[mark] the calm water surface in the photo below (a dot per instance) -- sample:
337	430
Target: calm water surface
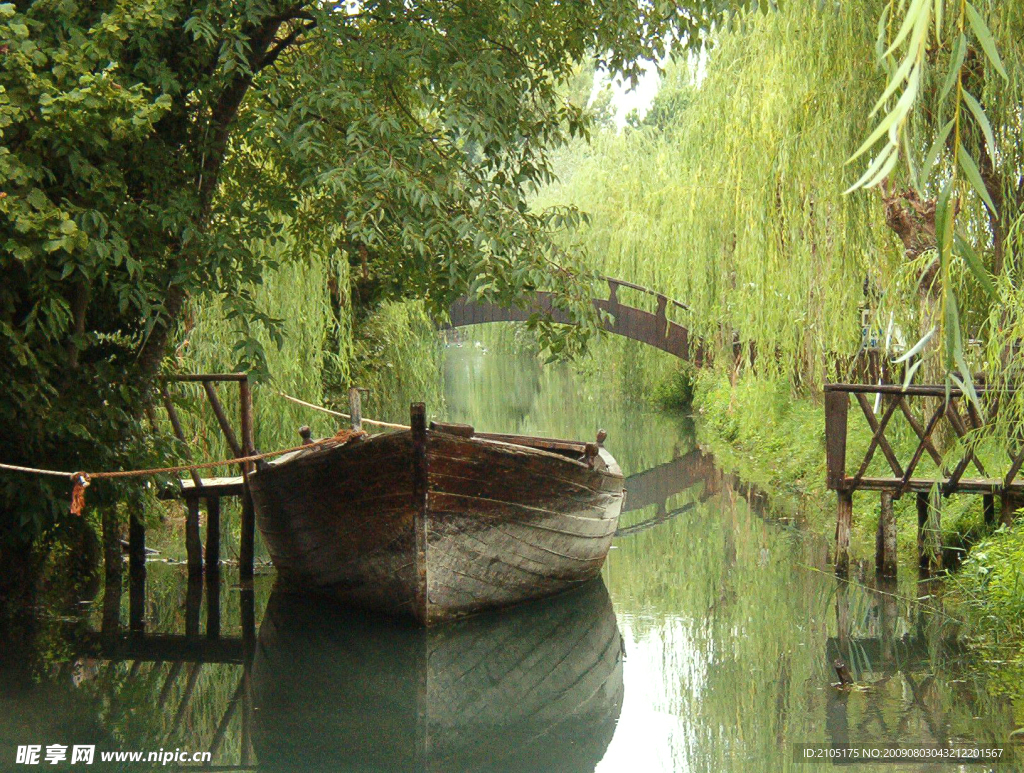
708	646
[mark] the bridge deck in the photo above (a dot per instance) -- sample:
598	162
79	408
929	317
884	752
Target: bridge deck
654	329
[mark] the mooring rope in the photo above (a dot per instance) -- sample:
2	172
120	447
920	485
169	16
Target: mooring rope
162	470
315	407
81	479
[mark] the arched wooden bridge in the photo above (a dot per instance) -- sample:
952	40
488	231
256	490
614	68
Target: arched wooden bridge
654	329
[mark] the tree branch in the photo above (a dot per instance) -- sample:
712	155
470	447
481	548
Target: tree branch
280	45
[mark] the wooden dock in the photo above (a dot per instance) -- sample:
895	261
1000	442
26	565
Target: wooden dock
924	411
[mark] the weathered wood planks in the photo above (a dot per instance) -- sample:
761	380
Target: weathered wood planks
941	406
437	524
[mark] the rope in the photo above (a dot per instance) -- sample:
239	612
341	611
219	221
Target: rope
162	470
340	414
80	480
17	468
87	476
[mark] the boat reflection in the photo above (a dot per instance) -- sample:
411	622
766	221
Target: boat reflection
537	687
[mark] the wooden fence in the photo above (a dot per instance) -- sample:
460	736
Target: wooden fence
926	414
211	490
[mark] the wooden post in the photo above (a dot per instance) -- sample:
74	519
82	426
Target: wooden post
247	539
136	601
212	536
136	542
136	569
1008	508
193	543
837	406
844	520
885	539
989	508
418	421
355	408
193	603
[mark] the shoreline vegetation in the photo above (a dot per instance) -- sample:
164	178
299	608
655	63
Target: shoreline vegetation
758	429
733	195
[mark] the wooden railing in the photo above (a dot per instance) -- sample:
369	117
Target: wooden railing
652	328
926	412
210	490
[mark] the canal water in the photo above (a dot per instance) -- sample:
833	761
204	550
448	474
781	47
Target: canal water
710	645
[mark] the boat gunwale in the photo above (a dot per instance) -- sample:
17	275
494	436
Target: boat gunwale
304	456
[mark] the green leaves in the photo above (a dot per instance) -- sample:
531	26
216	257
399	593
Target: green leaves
977	268
984	37
907	76
970	170
982	119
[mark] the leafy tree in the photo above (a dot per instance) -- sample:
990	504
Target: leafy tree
147	143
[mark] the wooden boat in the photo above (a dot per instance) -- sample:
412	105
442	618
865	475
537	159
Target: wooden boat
439	522
535	688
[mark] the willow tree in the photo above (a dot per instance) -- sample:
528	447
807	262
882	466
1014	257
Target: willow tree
147	144
951	112
735	193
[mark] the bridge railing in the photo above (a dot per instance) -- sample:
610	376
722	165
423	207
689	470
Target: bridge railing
662	299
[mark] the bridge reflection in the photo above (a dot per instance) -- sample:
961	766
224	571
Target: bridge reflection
656	485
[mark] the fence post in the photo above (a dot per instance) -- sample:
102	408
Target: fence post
355	408
136	568
247	540
989	506
212	536
844	520
885	539
837	406
193	543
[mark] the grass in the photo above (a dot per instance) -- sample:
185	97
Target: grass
769	434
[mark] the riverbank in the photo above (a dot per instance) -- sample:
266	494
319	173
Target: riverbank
771	437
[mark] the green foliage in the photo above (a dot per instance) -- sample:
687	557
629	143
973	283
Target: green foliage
962	159
736	207
991	580
759	429
397	357
147	146
677	390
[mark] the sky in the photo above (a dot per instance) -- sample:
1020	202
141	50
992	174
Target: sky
625	99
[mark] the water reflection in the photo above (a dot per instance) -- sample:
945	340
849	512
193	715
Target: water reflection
731	617
538	687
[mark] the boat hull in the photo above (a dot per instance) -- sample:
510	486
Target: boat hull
437	526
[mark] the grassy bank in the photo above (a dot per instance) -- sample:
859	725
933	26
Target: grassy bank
769	435
774	436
